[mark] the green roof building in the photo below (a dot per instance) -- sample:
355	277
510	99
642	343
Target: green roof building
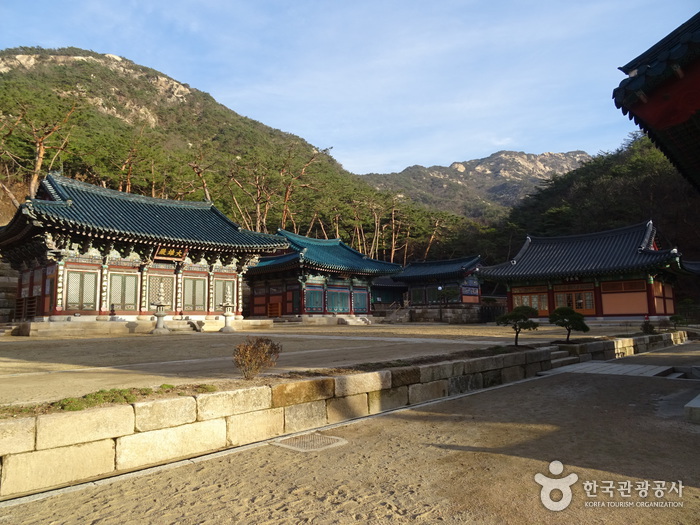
316	277
94	253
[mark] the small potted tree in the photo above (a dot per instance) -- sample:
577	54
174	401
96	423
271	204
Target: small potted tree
519	319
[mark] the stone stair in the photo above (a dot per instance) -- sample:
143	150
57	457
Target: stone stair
8	329
182	325
354	320
562	358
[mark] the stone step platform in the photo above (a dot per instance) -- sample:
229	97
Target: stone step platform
597	367
563	361
560	354
692	410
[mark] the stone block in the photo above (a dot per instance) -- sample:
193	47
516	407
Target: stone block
58	430
45	469
540	354
437	371
164	413
405	375
466	383
514	359
531	369
297	392
349	407
250	427
168	444
574	349
492	378
423	392
692	410
482	364
458	384
512	373
627	341
362	383
231	402
304	416
390	399
679	337
17	435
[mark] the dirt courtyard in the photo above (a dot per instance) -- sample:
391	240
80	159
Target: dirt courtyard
471	459
34	370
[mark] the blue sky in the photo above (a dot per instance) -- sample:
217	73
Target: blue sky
386	83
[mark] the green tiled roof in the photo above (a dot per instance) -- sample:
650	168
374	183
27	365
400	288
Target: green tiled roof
438	270
623	250
77	207
331	255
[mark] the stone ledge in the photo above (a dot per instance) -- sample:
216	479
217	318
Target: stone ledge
43	469
349	407
250	427
224	404
164	413
17	435
169	444
362	383
58	430
297	392
692	410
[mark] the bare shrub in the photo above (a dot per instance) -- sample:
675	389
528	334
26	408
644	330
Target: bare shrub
255	355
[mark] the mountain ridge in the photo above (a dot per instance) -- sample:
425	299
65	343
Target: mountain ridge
484	187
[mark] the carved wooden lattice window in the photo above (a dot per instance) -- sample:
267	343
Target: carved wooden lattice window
81	291
123	292
224	290
156	283
194	295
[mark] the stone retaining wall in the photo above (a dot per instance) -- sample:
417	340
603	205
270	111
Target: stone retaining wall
55	450
617	348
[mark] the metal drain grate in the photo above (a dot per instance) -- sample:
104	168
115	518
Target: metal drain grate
310	442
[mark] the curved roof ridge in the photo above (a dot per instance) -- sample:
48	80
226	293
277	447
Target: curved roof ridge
58	185
303	239
628	248
605	233
445	262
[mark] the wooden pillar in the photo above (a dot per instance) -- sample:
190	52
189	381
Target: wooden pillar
598	299
60	285
551	298
509	299
651	302
103	308
143	299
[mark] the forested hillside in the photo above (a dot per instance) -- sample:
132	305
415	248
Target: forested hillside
105	120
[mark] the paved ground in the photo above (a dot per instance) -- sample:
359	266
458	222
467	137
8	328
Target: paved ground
38	370
466	460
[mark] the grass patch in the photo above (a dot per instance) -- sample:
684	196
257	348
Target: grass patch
115	396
